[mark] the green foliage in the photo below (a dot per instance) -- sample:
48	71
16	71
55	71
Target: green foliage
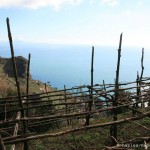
39	147
145	121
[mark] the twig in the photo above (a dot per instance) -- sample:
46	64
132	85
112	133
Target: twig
141	125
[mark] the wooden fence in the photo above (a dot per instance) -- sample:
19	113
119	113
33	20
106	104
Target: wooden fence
28	117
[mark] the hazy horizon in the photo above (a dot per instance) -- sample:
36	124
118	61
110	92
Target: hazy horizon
90	22
70	65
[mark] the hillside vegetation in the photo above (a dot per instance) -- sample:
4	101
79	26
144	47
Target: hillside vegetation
8	85
88	139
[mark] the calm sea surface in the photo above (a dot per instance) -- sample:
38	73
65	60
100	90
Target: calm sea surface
70	65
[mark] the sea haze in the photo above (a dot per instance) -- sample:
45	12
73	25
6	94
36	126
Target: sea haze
70	65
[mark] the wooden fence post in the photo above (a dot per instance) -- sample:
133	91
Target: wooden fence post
28	74
91	88
16	130
137	89
27	88
47	93
17	81
66	107
116	93
142	67
105	98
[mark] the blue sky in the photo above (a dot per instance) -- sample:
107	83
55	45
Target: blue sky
92	22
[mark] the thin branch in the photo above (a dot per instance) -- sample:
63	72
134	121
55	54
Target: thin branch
15	140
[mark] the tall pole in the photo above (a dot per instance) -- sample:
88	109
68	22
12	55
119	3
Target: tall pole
116	92
27	88
28	74
91	88
118	63
17	80
92	70
142	67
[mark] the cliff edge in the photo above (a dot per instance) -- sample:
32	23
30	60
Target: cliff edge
21	64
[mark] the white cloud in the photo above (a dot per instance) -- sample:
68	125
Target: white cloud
35	4
110	2
9	3
56	4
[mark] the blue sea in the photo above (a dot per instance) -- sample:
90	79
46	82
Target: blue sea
70	65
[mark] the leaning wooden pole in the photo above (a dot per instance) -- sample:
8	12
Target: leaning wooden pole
118	63
116	92
27	87
142	71
17	80
16	129
28	75
91	88
142	66
92	70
